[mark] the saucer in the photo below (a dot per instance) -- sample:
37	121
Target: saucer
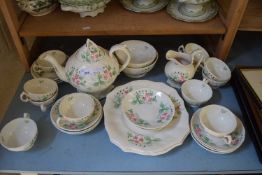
174	9
72	127
213	143
128	4
148	108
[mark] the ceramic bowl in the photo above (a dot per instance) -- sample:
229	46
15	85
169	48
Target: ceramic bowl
196	92
214	84
44	104
217	120
77	107
19	134
42	65
38	90
217	70
142	54
139	72
148	108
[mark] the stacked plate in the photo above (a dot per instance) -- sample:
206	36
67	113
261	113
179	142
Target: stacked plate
144	6
84	7
43	69
66	111
145	117
211	141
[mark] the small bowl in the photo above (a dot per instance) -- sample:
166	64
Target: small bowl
38	90
19	134
196	92
142	54
217	120
139	72
77	107
217	70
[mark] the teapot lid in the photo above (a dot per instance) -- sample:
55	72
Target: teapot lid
91	52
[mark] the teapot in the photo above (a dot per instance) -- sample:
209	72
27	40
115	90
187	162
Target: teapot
181	66
91	69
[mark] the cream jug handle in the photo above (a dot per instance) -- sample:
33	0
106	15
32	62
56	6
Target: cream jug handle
123	48
198	62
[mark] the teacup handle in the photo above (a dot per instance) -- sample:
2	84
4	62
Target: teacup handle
37	69
125	50
181	48
24	97
228	139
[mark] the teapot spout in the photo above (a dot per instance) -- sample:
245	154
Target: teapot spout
60	71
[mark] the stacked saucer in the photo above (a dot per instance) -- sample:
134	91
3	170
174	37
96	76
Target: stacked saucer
145	117
43	69
216	129
144	6
76	113
84	7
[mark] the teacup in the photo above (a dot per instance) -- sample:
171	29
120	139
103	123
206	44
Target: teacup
217	70
214	84
218	121
19	134
42	65
38	90
145	3
196	92
44	104
77	107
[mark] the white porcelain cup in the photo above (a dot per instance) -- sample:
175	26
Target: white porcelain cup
44	104
77	107
213	83
42	65
38	90
19	134
196	92
218	121
217	70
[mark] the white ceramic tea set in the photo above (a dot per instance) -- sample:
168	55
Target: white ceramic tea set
143	58
183	64
144	6
145	117
43	69
216	129
192	10
84	7
76	113
40	92
19	134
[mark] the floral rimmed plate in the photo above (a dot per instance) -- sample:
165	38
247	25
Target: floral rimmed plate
129	5
76	128
217	145
140	141
148	108
174	8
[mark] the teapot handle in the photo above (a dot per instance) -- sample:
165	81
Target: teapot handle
125	50
199	60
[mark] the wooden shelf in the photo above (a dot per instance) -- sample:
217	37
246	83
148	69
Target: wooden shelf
252	19
115	21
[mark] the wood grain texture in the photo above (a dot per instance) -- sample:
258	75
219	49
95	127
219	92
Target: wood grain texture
115	21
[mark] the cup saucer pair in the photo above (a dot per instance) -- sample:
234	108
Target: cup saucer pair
75	128
216	144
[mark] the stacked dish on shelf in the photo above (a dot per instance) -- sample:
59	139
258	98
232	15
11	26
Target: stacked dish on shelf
84	7
143	58
43	69
145	117
76	113
216	129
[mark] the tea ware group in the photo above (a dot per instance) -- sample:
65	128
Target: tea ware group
91	68
37	7
143	58
214	144
80	125
84	8
196	92
43	69
19	134
40	92
144	6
